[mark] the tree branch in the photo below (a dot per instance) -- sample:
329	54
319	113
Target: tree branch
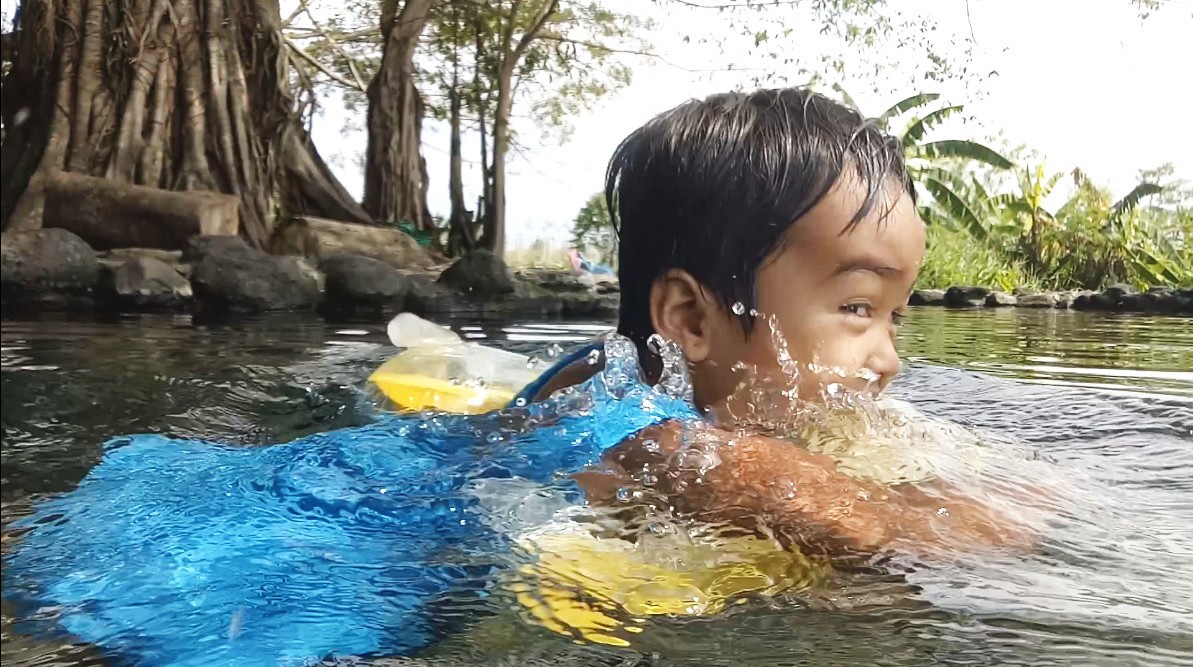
314	62
507	34
360	84
550	36
540	20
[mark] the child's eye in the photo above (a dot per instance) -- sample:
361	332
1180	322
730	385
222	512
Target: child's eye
858	309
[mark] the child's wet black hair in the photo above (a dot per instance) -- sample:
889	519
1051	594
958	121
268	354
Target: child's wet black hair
711	186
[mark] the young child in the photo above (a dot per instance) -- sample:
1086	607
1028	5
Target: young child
746	219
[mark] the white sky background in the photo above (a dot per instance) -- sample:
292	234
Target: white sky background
1083	82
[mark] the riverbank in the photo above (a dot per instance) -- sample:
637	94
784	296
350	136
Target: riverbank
1115	298
53	269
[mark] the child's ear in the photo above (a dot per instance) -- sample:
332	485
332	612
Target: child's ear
680	310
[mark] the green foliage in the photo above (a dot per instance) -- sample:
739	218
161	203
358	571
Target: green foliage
572	61
954	257
1088	242
937	166
594	230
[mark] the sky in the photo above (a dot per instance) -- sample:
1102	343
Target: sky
1083	82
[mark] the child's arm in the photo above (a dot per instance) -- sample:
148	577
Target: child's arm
802	497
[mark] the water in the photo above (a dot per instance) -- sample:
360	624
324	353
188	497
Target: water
1107	400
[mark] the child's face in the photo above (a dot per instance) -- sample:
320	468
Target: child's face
834	298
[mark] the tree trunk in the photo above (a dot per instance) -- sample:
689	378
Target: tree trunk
495	223
109	214
484	203
394	183
510	54
460	224
170	94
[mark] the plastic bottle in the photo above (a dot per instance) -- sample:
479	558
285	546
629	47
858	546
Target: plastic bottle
438	370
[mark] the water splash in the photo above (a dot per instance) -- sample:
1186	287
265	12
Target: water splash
323	544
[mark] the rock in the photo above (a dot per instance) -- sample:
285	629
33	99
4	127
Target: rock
1136	303
172	257
47	268
427	297
965	296
198	247
1000	299
927	297
141	282
319	239
1183	301
436	298
1023	291
479	273
608	287
1041	300
560	281
354	283
600	306
232	277
1089	300
1118	291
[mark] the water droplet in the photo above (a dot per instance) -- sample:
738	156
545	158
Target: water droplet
753	312
944	511
656	343
651	446
520	402
554	350
624	494
594	357
494	437
659	528
383	490
532	362
738	308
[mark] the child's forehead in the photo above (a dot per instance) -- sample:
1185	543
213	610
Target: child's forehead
889	236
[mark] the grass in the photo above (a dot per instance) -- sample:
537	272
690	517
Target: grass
954	258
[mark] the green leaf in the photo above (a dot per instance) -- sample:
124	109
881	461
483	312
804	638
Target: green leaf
846	97
917	129
1133	197
960	148
907	105
955	207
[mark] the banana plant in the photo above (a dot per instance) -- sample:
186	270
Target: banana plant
1089	238
955	199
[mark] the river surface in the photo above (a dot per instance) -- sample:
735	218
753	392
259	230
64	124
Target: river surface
1107	399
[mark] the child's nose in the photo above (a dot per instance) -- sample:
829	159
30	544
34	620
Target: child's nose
884	362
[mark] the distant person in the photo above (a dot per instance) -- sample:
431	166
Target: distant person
580	263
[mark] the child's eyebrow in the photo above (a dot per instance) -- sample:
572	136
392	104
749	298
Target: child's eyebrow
867	265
